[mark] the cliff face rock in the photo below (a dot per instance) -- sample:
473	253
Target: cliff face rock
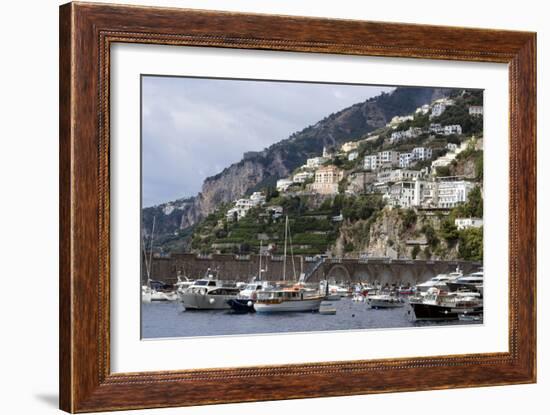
386	235
167	216
233	183
389	234
466	168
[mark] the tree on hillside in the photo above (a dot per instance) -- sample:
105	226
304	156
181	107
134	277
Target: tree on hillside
448	231
471	244
473	207
442	171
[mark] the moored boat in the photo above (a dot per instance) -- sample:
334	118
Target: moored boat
472	282
208	294
384	301
286	297
292	299
439	281
442	305
244	302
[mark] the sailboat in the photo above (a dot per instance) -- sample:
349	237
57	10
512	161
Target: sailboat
293	298
148	293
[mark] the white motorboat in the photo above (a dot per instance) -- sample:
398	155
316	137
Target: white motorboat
339	290
184	283
472	282
207	294
149	294
439	281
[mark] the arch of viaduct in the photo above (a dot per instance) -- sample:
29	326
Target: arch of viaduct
388	271
396	271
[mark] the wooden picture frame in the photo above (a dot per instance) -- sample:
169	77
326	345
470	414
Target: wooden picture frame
86	33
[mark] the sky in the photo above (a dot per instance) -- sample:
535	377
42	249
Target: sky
193	128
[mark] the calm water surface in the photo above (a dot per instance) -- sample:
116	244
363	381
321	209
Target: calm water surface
169	319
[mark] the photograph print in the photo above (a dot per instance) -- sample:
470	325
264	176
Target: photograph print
273	206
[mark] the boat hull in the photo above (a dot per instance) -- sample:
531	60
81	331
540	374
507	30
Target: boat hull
442	312
289	306
240	305
196	301
164	296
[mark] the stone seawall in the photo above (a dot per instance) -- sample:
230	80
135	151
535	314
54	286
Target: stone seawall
243	268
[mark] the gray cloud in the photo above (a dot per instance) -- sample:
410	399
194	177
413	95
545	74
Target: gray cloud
194	128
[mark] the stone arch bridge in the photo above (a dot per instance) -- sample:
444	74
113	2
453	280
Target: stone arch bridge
243	268
386	271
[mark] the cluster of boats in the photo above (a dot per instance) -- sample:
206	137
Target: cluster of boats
449	296
210	293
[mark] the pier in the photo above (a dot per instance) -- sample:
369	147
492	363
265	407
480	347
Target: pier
244	267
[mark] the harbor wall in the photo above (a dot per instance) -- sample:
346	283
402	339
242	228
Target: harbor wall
243	268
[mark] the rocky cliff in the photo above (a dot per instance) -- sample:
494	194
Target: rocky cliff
396	233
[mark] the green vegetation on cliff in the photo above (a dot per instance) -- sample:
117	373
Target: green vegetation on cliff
314	225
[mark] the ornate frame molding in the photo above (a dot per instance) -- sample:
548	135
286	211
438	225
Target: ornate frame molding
86	33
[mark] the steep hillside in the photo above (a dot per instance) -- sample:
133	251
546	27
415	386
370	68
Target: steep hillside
258	169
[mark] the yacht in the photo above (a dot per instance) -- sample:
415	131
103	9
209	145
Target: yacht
439	281
285	299
207	294
184	283
471	282
443	305
384	301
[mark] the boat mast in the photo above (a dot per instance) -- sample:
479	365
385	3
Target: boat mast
284	251
292	254
147	271
151	252
148	262
260	265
